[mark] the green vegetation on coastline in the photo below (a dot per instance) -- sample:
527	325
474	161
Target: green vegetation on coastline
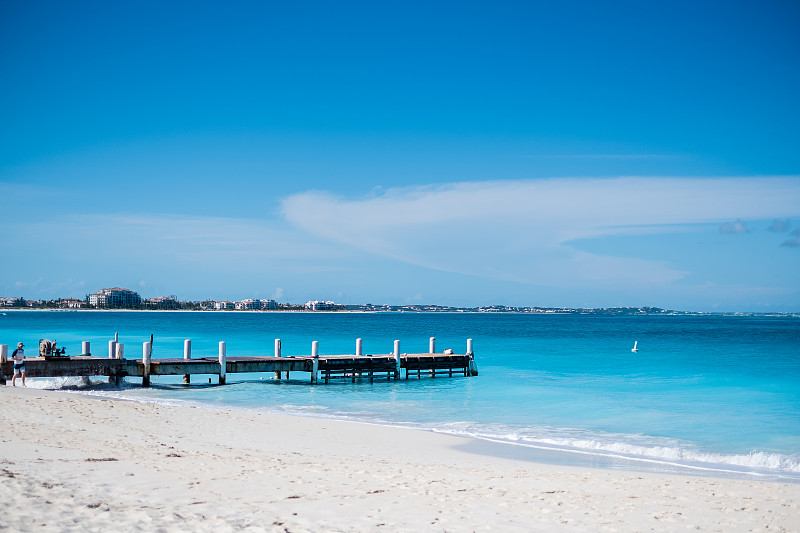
173	304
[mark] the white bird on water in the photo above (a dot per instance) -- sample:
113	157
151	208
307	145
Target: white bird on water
635	349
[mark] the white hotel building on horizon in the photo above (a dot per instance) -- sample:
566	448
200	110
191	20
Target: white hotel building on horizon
115	297
249	304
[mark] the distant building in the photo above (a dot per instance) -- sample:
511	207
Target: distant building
318	305
115	297
13	302
248	305
162	302
251	304
224	305
71	303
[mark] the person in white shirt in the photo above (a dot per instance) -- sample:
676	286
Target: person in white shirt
19	364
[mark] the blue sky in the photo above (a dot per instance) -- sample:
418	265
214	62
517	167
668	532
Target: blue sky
578	154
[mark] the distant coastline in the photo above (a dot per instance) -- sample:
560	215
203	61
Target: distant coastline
609	311
122	299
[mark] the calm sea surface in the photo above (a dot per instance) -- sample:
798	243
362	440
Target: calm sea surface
711	393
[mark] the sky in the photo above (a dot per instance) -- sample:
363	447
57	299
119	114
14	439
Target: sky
553	154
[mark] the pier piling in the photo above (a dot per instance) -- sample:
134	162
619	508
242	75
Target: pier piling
473	366
146	364
187	354
315	362
432	345
222	363
397	359
278	354
3	358
85	348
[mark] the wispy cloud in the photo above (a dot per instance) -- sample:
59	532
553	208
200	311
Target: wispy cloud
794	242
780	226
521	230
731	228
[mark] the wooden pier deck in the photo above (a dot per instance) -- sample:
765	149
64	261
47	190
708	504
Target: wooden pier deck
320	368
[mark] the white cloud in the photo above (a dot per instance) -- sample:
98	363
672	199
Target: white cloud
779	226
732	228
794	242
521	230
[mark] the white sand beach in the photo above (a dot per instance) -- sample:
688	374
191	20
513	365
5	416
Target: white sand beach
74	463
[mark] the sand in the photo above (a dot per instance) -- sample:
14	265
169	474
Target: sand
73	463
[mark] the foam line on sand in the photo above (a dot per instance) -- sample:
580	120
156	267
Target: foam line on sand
73	463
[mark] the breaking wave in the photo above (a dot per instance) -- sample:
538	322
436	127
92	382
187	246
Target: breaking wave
633	448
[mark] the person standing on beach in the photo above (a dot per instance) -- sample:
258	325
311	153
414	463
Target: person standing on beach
19	364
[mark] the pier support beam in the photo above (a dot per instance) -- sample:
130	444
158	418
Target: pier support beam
397	368
119	353
187	354
222	363
315	362
473	366
278	354
3	359
146	364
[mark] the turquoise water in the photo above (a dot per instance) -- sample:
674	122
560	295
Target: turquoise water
713	392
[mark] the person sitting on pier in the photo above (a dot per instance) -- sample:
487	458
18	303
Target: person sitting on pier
44	347
47	348
19	364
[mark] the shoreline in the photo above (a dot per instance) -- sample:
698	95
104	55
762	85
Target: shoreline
496	446
550	454
670	313
72	463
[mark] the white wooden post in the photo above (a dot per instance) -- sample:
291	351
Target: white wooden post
112	349
278	354
432	345
187	354
397	359
315	361
146	364
85	348
473	366
222	363
358	347
119	353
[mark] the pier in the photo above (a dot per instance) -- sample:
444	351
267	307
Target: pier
319	368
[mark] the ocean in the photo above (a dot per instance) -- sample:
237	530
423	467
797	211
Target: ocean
712	394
